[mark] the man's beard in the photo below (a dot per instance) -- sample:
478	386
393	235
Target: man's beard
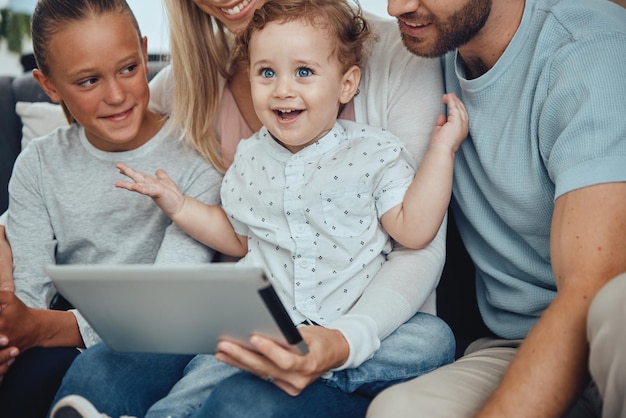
456	31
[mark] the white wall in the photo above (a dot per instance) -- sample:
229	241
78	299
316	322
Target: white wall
378	7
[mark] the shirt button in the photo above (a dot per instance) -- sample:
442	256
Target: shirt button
304	264
300	229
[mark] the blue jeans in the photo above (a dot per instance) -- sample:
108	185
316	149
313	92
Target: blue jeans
420	345
163	385
143	385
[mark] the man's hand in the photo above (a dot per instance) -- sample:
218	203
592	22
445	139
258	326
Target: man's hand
287	369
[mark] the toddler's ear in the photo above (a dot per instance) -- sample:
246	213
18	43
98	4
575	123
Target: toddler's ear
47	85
351	80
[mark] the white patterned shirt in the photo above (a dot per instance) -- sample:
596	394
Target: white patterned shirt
312	218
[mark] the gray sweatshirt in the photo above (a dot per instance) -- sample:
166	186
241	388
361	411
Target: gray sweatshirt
65	209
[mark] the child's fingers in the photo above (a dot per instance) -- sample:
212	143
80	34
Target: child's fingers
144	189
441	120
120	184
127	171
456	107
162	175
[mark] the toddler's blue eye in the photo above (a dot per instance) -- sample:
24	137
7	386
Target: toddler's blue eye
303	72
267	73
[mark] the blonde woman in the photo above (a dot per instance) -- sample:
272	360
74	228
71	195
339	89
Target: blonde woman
208	98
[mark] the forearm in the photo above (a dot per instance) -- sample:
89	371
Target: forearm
549	369
586	250
426	201
56	329
6	263
31	327
209	224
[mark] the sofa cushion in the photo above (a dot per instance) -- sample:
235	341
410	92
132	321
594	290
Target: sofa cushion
9	147
39	119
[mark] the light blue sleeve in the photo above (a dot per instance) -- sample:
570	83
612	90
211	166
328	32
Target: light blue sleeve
583	115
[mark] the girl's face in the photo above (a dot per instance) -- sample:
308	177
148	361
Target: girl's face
297	82
234	14
98	69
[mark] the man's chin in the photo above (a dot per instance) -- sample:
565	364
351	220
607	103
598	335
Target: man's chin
423	48
417	47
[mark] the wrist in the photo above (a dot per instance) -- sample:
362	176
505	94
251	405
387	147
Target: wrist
176	212
442	149
359	334
52	328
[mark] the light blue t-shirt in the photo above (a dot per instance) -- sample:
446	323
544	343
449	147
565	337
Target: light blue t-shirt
548	118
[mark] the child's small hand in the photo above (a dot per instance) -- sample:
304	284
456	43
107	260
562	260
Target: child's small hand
452	131
160	187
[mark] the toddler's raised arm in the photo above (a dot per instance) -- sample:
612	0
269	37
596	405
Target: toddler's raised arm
206	223
415	222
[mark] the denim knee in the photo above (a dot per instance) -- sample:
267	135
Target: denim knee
245	395
420	345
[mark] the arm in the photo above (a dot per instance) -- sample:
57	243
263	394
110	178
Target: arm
31	327
206	223
24	318
587	250
6	263
415	222
199	180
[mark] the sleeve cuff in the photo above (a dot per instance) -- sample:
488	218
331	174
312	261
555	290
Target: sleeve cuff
89	335
361	333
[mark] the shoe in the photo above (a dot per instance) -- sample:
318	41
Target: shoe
75	406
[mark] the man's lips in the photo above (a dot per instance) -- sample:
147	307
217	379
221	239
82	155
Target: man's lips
415	29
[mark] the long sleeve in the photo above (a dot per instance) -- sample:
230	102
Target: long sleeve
402	93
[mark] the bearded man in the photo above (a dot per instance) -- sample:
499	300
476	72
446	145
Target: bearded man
539	198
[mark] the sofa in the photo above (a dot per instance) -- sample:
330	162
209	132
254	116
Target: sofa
456	293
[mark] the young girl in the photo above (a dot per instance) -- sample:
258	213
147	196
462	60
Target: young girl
304	59
92	59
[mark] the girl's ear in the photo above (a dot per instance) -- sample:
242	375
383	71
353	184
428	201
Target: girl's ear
47	86
350	84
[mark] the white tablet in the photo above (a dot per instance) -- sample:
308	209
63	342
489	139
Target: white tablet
182	309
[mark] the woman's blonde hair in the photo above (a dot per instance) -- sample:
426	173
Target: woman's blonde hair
200	54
